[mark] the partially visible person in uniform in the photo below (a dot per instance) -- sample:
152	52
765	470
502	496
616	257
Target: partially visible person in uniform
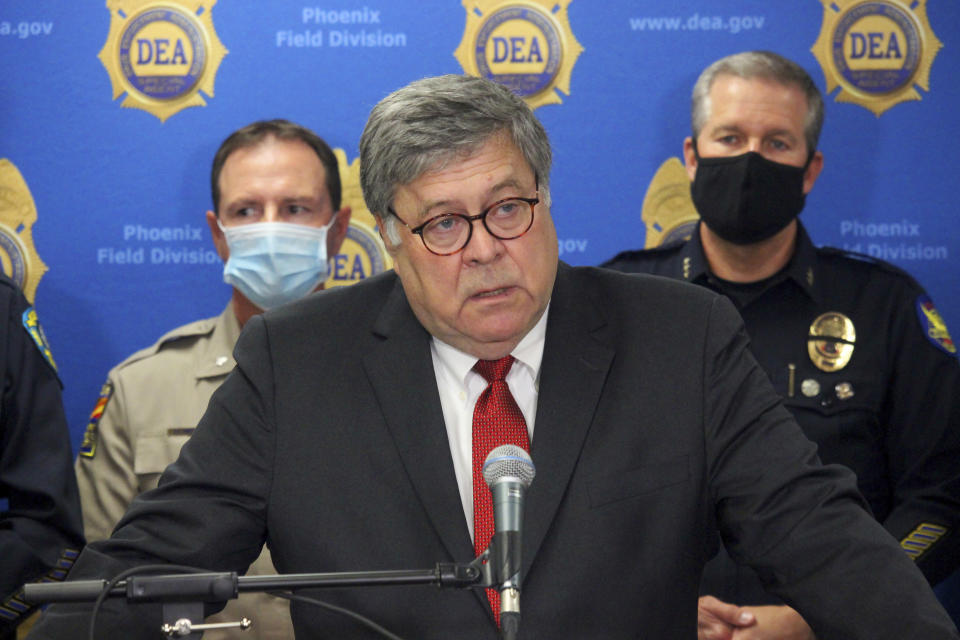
40	526
854	345
276	219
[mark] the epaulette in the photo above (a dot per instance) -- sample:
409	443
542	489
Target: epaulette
634	254
867	259
191	330
673	245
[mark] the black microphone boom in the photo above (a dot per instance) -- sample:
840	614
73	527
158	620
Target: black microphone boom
508	471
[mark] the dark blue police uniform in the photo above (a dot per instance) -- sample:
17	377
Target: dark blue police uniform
41	531
865	364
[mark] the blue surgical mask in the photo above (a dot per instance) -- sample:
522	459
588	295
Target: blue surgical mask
276	262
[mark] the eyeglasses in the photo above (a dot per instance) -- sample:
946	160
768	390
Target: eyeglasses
450	233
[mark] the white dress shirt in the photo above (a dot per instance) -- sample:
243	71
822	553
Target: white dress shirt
460	387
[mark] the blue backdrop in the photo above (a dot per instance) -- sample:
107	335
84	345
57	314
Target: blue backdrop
110	181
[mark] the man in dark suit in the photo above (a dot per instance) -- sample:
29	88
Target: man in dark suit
346	436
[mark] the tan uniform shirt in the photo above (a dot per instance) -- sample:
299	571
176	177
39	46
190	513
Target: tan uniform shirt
156	397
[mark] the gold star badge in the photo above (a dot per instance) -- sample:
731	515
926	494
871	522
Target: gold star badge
363	253
526	45
18	256
162	55
877	51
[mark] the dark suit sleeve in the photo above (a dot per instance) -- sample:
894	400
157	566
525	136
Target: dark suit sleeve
40	526
209	510
802	526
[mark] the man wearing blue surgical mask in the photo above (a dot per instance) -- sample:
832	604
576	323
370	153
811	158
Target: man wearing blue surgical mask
276	214
276	219
854	345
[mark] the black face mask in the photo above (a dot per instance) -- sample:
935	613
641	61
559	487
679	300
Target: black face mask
747	198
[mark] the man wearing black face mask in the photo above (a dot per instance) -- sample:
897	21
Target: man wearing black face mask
854	345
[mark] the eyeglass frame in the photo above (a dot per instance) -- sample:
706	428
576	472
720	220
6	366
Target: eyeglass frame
482	216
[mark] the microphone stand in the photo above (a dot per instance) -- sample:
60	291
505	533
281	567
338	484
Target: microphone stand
503	563
182	596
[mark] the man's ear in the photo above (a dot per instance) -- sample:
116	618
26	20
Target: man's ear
384	236
219	240
689	158
338	232
813	172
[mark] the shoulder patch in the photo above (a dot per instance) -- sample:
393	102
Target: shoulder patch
88	449
32	324
933	325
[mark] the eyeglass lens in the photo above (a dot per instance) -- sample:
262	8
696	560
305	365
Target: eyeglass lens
505	220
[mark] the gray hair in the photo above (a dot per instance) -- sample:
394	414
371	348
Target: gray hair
766	65
429	122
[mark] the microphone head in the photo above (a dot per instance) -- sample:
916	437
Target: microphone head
508	460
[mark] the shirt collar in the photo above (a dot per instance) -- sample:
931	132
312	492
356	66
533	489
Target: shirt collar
802	267
216	358
528	353
693	262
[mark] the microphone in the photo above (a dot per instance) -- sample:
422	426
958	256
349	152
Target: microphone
508	471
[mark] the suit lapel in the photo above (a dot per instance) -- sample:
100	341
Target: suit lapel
575	365
401	372
574	368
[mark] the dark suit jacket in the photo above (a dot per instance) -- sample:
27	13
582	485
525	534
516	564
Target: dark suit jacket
655	428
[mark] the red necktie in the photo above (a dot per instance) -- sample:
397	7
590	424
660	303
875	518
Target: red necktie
497	420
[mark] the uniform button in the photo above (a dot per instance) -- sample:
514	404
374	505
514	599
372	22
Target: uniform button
222	360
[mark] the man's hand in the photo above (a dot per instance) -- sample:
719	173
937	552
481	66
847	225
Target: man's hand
718	620
776	622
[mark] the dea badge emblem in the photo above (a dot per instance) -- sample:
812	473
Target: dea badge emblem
668	211
526	45
876	51
18	256
363	253
162	54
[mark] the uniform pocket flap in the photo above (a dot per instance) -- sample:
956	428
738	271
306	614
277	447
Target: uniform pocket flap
153	452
